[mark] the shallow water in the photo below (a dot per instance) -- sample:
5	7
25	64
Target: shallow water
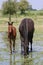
34	58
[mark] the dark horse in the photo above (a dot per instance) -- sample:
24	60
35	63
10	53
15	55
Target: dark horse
11	35
26	30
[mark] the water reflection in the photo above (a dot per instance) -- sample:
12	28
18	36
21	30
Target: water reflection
12	59
21	59
17	58
27	60
31	59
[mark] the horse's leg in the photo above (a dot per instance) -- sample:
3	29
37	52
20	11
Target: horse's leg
28	48
14	45
22	44
25	50
31	44
10	46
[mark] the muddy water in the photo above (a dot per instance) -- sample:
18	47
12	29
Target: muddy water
34	58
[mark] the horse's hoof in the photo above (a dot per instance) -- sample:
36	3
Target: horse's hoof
10	52
25	53
31	49
13	50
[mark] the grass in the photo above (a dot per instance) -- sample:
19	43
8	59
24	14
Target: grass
38	22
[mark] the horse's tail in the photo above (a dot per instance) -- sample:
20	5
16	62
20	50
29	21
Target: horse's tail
26	28
26	36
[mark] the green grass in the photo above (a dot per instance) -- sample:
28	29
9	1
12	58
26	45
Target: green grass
38	22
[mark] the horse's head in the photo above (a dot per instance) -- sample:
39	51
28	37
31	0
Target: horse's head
10	26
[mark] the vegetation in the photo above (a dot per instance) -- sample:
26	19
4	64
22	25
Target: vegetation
15	9
37	18
36	55
9	7
23	6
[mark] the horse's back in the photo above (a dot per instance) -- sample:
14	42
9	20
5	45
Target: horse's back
27	24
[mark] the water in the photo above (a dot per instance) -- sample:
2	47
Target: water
34	58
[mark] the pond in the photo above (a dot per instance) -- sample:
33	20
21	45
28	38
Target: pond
34	58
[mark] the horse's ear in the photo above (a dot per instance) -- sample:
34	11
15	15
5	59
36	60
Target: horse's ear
8	23
12	23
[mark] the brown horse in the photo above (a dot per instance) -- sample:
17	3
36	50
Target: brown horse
11	35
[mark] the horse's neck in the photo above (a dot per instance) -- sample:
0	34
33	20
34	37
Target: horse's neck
12	30
9	29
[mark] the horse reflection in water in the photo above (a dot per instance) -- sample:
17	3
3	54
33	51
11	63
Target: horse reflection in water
11	35
12	60
28	59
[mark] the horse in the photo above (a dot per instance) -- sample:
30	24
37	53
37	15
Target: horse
11	35
26	30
